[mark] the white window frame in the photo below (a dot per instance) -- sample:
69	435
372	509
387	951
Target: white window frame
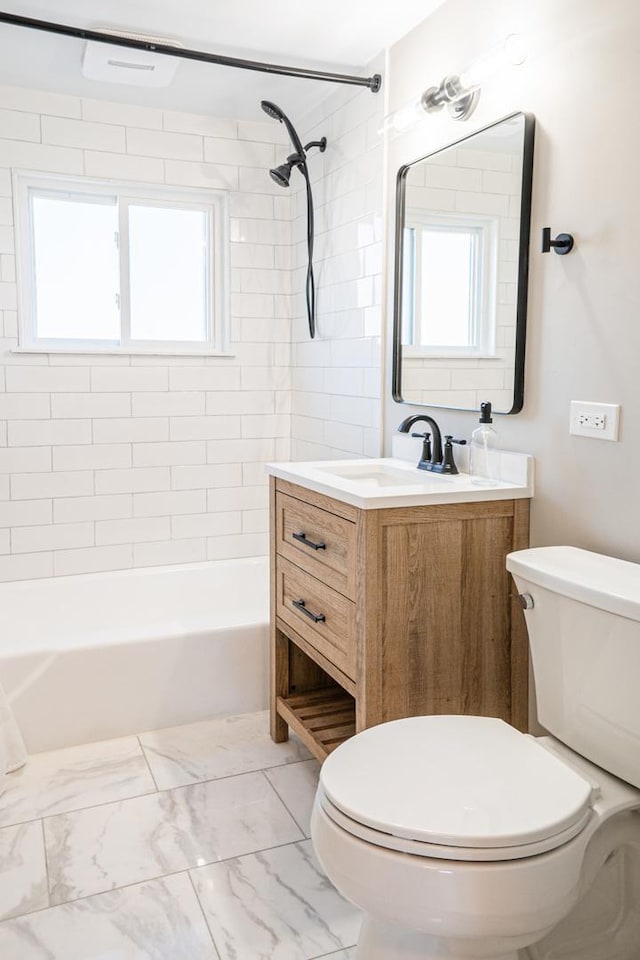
215	203
483	320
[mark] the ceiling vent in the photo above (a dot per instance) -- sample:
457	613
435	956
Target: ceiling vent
138	68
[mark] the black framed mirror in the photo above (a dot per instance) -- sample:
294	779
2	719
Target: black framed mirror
463	219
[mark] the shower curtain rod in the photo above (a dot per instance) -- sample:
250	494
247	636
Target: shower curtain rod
373	83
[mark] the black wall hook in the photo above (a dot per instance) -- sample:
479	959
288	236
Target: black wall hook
562	244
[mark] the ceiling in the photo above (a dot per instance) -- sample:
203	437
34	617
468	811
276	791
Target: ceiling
344	38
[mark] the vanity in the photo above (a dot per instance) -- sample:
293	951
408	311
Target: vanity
390	597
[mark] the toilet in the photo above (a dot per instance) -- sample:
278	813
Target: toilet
461	838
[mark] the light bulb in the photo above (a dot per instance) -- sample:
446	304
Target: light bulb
511	52
403	118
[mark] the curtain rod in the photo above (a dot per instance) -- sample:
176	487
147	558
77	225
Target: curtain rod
373	83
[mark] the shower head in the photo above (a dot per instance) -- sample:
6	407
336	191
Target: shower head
272	110
281	174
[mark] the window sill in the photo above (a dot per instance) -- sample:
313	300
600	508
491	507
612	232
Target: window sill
423	355
127	351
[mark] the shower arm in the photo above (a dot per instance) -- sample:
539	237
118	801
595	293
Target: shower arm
299	158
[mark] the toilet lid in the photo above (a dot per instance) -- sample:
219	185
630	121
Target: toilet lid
455	781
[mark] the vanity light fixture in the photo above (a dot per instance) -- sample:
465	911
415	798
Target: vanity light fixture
459	92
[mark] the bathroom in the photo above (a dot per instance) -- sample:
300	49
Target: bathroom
120	465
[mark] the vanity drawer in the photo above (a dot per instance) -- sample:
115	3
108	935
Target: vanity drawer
323	617
320	542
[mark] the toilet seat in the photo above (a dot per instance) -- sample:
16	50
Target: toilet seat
453	787
441	852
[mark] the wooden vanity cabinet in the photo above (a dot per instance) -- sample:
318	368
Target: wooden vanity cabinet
389	613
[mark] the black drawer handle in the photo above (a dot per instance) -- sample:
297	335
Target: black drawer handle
301	606
302	538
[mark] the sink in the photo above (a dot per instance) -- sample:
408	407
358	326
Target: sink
381	475
384	482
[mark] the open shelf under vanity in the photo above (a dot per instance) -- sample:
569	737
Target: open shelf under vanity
322	719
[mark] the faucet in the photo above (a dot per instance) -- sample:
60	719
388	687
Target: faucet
433	458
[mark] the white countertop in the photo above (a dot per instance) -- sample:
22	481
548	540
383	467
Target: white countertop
373	484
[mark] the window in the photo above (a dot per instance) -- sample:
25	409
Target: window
128	268
447	270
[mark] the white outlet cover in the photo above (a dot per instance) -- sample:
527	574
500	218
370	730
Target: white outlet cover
587	408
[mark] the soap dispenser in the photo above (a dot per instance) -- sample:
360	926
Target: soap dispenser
483	453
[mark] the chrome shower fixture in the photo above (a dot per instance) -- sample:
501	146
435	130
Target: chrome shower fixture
282	175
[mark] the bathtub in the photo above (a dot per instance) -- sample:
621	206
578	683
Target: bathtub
104	655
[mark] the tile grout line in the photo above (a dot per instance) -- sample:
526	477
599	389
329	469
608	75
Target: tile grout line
46	865
264	774
162	876
327	956
204	916
63	813
284	804
88	896
43	815
146	760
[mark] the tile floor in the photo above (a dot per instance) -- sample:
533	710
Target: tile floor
183	844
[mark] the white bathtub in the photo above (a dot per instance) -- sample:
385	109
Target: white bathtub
105	655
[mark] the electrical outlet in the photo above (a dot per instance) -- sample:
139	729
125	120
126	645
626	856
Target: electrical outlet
596	420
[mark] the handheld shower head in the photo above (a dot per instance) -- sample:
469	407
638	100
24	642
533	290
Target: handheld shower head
272	110
276	113
281	175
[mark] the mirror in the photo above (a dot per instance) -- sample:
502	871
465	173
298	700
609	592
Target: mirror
461	268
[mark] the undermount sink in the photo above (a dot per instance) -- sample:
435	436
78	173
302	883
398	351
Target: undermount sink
381	475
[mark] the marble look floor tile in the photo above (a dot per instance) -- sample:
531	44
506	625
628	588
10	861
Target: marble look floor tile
220	747
75	777
95	850
275	905
296	784
23	870
159	920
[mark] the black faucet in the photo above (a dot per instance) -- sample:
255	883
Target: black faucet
433	458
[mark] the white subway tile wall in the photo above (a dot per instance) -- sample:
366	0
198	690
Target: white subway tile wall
108	462
336	379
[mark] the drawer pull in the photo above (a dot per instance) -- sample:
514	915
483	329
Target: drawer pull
302	538
301	606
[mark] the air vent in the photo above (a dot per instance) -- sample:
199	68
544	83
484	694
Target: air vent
139	68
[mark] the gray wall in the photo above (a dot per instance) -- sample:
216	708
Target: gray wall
584	325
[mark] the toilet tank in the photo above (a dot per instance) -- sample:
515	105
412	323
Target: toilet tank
584	635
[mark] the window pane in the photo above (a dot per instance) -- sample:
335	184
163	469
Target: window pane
168	273
447	279
76	268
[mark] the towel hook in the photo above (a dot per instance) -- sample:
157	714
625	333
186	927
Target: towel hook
562	244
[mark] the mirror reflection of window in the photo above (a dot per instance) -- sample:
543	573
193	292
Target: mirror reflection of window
449	270
451	286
